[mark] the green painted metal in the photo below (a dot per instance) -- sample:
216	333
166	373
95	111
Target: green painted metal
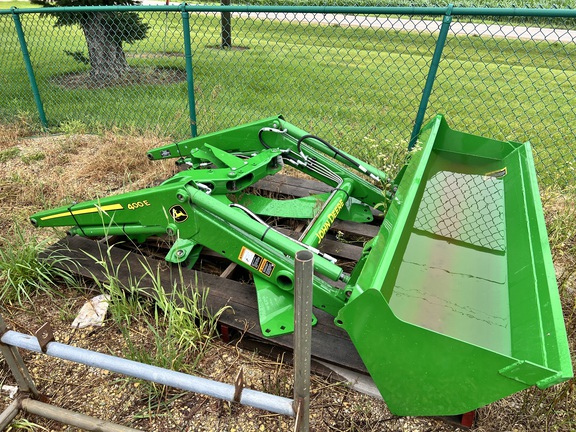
305	207
452	305
455	302
29	69
206	205
431	78
189	71
351	10
330	211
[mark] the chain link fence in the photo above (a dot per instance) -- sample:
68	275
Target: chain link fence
362	78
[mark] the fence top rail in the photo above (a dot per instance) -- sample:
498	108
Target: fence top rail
349	10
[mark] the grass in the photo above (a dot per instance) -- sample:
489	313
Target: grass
169	327
9	154
21	4
177	320
173	330
25	425
22	274
345	84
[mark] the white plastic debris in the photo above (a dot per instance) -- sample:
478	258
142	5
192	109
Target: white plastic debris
92	312
11	390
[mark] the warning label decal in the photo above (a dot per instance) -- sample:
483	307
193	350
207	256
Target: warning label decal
267	267
256	261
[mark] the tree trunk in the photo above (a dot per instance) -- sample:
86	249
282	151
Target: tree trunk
107	59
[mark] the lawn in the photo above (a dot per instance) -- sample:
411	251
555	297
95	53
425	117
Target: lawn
358	87
22	4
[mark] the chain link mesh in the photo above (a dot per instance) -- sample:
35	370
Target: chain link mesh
296	64
514	80
465	207
140	85
15	93
355	80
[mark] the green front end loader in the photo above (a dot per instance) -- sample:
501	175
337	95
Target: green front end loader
452	305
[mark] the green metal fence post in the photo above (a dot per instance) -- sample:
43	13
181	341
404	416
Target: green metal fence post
189	70
431	75
29	69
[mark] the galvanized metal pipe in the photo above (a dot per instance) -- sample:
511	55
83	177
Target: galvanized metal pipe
303	276
9	413
155	374
72	418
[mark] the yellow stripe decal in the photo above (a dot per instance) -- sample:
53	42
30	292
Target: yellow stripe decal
94	209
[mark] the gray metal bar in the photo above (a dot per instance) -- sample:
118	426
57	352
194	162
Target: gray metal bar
303	280
16	364
155	374
9	413
18	369
72	418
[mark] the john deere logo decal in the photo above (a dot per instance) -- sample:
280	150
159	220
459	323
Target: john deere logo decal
178	213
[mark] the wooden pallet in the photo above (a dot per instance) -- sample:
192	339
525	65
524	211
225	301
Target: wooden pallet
329	343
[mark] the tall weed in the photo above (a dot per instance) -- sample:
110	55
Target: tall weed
175	319
22	273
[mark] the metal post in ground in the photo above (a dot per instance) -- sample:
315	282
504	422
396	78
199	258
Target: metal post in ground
189	70
303	279
29	69
446	21
16	364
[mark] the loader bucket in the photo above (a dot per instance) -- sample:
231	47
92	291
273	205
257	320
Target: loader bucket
455	304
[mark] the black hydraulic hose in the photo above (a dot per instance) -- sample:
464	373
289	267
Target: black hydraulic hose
266	146
331	147
262	139
327	144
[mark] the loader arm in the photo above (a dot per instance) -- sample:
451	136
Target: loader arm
205	205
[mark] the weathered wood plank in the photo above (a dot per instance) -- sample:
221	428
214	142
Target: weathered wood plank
297	187
329	343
